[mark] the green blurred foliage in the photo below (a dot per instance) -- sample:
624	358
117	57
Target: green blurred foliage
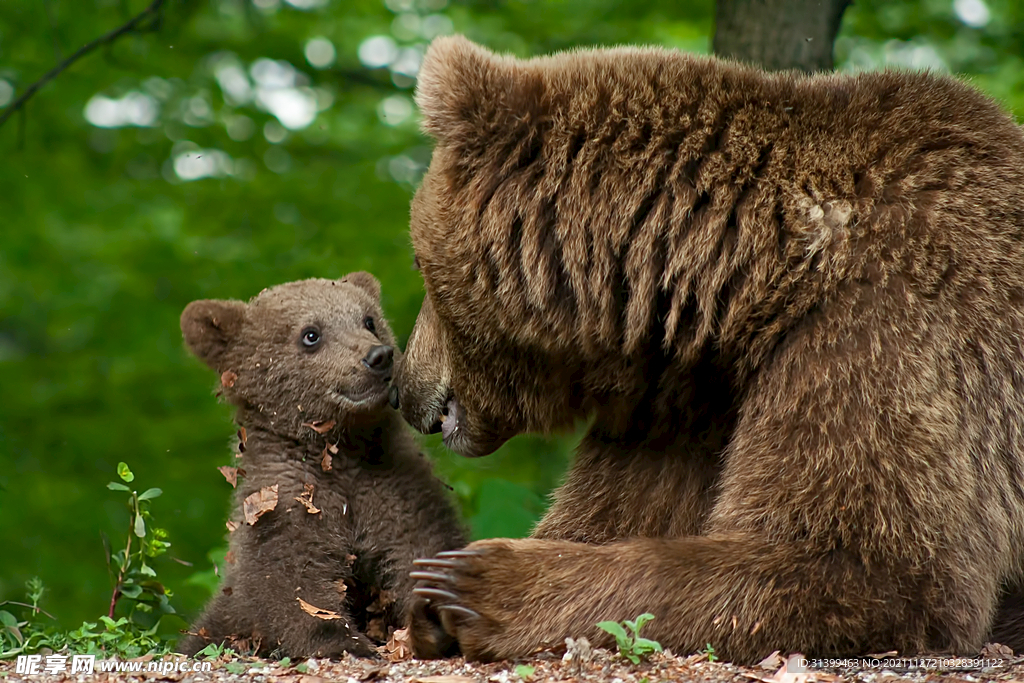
242	144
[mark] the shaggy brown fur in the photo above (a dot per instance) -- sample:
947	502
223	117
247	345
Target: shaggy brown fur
379	505
794	308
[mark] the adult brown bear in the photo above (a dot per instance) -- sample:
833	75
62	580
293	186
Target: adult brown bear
793	307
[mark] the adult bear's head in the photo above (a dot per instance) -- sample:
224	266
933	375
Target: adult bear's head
522	326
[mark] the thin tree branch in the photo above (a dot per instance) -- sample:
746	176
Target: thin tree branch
134	24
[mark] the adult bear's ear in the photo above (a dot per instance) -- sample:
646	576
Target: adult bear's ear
364	281
464	90
210	327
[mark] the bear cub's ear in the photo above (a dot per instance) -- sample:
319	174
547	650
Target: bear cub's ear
364	281
210	327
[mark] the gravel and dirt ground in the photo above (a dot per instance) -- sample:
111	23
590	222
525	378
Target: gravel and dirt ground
599	666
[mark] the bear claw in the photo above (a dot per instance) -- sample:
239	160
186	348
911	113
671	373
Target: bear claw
459	609
431	576
459	553
435	562
435	593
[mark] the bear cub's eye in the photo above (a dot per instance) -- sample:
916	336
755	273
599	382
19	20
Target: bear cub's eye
310	337
369	324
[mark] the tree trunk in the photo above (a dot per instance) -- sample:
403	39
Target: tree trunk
779	34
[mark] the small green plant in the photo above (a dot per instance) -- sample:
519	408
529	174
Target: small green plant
136	580
23	635
709	652
135	583
631	645
215	650
525	672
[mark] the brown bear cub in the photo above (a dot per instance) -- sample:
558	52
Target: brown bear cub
334	499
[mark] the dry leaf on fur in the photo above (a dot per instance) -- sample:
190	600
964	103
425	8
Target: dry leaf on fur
382	599
228	378
259	503
333	448
317	612
230	473
319	426
399	647
231	525
349	560
229	557
325	462
375	629
307	499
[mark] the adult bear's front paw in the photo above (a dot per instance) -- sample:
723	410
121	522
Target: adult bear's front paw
475	596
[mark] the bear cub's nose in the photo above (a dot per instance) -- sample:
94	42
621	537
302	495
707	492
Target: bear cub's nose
379	358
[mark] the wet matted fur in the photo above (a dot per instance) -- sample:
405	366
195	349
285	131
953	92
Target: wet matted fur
793	307
303	355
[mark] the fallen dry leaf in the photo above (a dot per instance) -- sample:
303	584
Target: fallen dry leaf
578	654
231	525
374	673
772	662
230	473
341	587
317	612
333	448
801	675
307	499
444	679
259	503
325	462
228	378
399	647
229	557
319	426
996	651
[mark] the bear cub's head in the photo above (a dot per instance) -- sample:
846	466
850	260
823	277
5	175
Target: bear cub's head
302	352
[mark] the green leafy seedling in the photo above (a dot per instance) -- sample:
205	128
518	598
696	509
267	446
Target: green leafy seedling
631	645
709	652
217	650
525	672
